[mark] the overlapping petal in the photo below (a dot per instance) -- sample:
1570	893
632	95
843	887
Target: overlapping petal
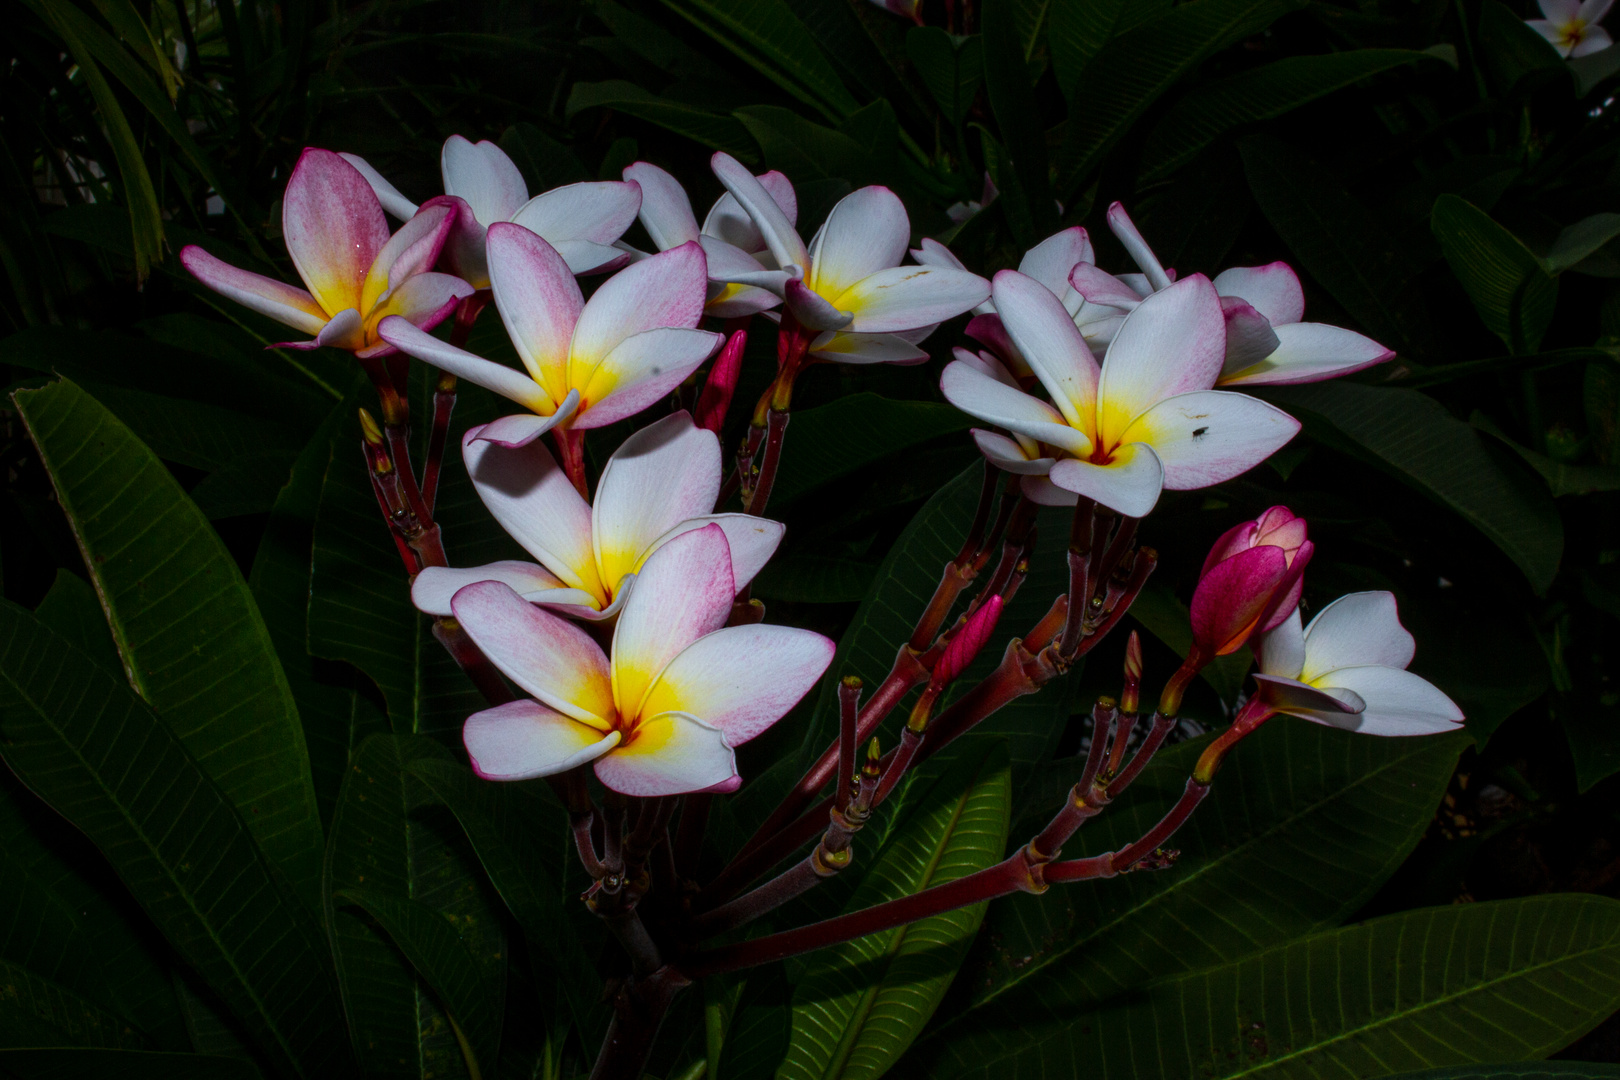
989	399
553	660
523	739
668	754
484	176
642	370
903	297
334	227
666	212
667	289
531	497
284	303
1051	344
742	679
1129	483
1273	290
1309	352
1210	436
664	474
866	232
539	301
1356	630
768	217
1173	343
435	586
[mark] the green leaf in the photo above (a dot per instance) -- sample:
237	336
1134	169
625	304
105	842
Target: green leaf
1343	246
193	433
814	579
1523	1070
832	441
35	1010
517	837
1216	108
1511	50
1413	437
767	36
711	129
1077	32
803	148
1438	986
862	1003
1580	240
1304	825
87	745
544	162
45	938
1132	71
74	1063
389	840
1009	86
950	67
1509	286
1562	478
72	610
192	642
472	1002
244	485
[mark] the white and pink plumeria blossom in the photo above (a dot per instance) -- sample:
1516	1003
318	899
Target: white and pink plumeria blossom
355	272
1572	26
848	286
1347	669
1266	343
1145	419
731	241
660	483
483	186
662	713
586	364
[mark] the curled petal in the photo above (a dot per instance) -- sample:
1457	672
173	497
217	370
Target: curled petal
1051	261
1359	630
1125	230
283	303
666	212
728	221
435	585
1249	336
392	201
1308	352
1096	286
775	229
1042	492
424	300
410	251
523	739
865	233
1273	290
742	679
811	309
1006	455
334	227
1321	706
934	253
484	176
669	754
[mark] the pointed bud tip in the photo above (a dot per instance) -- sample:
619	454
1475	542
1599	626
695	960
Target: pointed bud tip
369	428
967	642
853	682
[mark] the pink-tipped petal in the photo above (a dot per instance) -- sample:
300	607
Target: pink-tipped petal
669	754
1356	630
1173	343
538	300
523	739
392	200
1249	336
1042	492
531	497
1282	649
1097	286
1311	352
1051	261
934	253
905	297
1211	436
665	290
334	227
721	384
520	429
1334	709
664	474
1237	538
484	176
551	659
1051	344
518	387
435	585
410	251
1232	598
775	229
1394	702
683	591
1273	290
753	540
597	211
742	679
424	300
846	348
977	394
666	212
1125	230
1129	484
283	303
866	232
641	371
988	330
1006	455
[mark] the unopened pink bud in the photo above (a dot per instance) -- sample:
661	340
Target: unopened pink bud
967	642
715	400
1251	580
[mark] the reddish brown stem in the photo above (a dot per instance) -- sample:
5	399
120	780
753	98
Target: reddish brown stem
1156	735
1191	796
849	704
444	403
1085	801
776	423
1082	542
571	449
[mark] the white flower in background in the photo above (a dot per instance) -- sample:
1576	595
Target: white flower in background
1572	26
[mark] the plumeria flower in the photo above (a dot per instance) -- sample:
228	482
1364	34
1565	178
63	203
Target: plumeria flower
1572	26
586	364
731	241
483	186
1146	418
848	286
661	713
1266	343
1251	581
356	274
1347	669
662	482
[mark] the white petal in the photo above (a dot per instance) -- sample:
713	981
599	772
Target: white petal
666	212
669	754
1310	352
1006	455
1051	344
387	194
1173	343
1052	260
532	498
435	585
515	385
774	226
598	211
523	739
1397	702
1593	39
847	348
1042	492
753	540
1249	336
1129	484
866	232
523	428
1211	436
1282	649
934	253
664	474
665	290
907	297
641	370
980	395
554	661
1273	290
742	679
482	174
728	221
1357	630
1125	229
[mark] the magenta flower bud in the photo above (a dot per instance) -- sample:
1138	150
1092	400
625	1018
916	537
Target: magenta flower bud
722	383
967	642
1251	581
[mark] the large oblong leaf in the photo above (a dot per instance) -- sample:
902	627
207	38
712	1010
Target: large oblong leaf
34	1010
842	437
861	1004
1509	286
191	638
712	129
89	1063
1511	979
82	741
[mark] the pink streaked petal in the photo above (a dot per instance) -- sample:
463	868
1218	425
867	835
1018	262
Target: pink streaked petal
1230	600
1042	492
1356	630
1051	344
683	591
1273	290
669	754
1211	436
1173	343
1237	538
484	176
1129	484
847	348
666	290
907	297
1051	261
811	309
1310	352
1593	39
728	221
464	251
980	395
775	228
866	232
435	585
742	679
424	300
346	330
666	212
598	211
538	300
515	385
283	303
410	251
534	501
934	253
1006	455
1286	600
641	371
753	540
520	429
664	474
523	739
1308	702
392	201
334	227
1249	336
1126	231
1096	286
1394	702
549	658
988	330
1282	649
